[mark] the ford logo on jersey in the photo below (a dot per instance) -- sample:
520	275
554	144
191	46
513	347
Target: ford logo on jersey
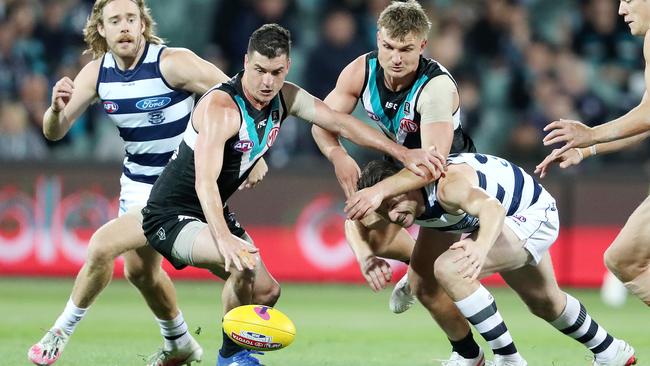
243	145
152	103
110	107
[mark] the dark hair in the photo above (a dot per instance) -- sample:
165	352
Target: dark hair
376	171
270	40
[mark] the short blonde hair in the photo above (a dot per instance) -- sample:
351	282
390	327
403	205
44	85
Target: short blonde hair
97	44
403	17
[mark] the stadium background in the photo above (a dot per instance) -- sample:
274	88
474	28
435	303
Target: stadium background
519	65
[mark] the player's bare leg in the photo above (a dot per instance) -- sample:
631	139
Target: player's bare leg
114	238
629	255
429	245
241	288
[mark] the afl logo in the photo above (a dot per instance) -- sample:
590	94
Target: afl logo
373	116
152	103
273	134
243	145
110	107
408	126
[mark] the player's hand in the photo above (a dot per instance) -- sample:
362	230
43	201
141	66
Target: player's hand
470	257
363	202
237	252
256	175
347	173
566	159
376	271
61	94
571	133
431	160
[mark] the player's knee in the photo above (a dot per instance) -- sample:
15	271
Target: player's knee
444	269
140	276
99	252
267	295
621	264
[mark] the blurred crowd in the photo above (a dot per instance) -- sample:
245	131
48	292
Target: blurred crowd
519	64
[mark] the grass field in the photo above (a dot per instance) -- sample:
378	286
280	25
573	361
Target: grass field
337	326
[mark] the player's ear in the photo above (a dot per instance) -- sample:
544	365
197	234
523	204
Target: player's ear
423	45
288	64
101	30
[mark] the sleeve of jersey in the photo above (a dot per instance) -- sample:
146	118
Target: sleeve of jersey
300	103
436	101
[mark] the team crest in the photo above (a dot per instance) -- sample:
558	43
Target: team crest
110	107
373	116
273	134
408	125
275	115
243	146
407	107
156	117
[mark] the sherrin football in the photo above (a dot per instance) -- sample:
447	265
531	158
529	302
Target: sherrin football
259	327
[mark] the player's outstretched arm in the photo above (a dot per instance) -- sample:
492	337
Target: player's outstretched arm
343	99
576	155
217	119
183	69
456	192
69	100
367	200
303	105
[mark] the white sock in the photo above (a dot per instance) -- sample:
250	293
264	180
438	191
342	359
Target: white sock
481	310
70	317
174	332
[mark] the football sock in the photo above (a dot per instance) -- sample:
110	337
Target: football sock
466	347
481	310
174	332
228	347
70	317
577	324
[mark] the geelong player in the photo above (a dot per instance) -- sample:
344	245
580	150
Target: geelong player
511	221
147	90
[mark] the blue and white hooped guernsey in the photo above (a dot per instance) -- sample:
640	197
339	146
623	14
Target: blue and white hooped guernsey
150	115
515	189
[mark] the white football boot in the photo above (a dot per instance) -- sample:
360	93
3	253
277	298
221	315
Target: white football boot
458	360
624	356
500	360
401	299
49	348
185	355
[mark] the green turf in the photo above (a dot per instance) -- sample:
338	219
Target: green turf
337	326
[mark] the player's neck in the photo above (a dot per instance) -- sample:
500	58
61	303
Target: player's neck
128	63
251	99
397	84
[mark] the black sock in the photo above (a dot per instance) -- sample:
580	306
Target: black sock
228	347
466	347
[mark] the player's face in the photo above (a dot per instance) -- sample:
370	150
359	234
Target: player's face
265	76
400	210
636	14
399	58
122	28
